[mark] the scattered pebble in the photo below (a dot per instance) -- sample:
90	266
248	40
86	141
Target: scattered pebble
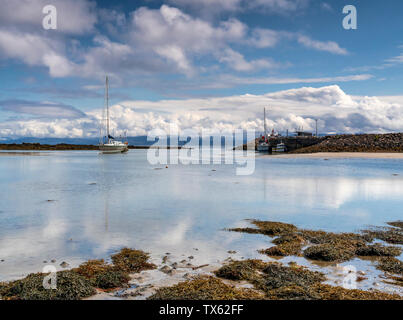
164	259
190	257
231	251
165	269
64	264
53	260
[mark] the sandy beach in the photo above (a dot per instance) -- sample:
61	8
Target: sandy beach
340	155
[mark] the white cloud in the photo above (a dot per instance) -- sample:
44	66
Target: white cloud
289	109
237	61
154	41
213	7
279	6
35	50
329	46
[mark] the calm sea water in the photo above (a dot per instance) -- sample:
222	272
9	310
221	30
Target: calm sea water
75	206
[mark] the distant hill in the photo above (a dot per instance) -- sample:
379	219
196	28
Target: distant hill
133	141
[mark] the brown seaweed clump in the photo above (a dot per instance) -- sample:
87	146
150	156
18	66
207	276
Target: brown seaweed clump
390	264
269	228
274	279
378	250
131	260
328	292
241	270
280	282
288	244
275	276
70	286
387	234
397	224
102	275
330	252
80	282
205	288
283	250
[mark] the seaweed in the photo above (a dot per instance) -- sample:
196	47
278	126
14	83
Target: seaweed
131	260
293	292
328	292
387	234
378	250
275	276
390	264
70	286
269	228
330	252
284	249
397	224
102	275
111	279
240	270
205	288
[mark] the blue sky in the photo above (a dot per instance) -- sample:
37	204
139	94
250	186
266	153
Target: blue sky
169	59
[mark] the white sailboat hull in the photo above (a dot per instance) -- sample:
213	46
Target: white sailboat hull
112	148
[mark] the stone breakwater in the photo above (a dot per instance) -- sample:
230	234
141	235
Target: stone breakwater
391	142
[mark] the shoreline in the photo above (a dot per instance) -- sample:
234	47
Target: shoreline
339	155
68	147
133	274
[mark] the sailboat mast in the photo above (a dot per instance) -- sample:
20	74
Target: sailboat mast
264	117
107	106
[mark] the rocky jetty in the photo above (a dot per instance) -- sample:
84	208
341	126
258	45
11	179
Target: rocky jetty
391	142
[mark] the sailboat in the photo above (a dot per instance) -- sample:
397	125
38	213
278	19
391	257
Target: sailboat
263	143
107	143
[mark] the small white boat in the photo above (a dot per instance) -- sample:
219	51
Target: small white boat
113	146
263	146
107	143
280	148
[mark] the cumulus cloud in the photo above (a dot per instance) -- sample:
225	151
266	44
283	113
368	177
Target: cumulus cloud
288	109
163	40
35	50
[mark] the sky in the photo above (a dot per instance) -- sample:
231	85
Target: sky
202	64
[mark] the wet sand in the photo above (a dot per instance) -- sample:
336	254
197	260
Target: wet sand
339	155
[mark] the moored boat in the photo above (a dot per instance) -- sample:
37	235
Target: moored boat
109	144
